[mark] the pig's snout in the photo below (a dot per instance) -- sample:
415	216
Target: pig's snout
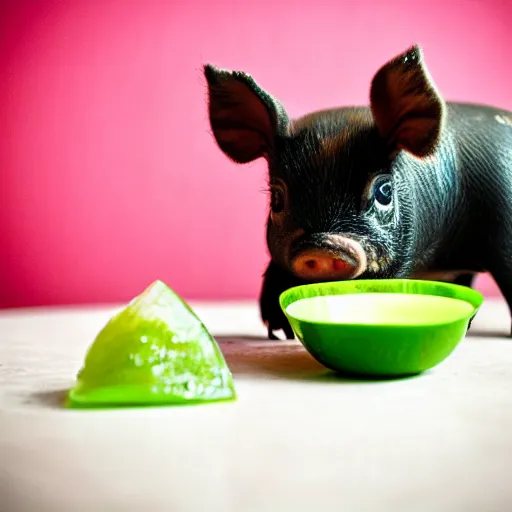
338	258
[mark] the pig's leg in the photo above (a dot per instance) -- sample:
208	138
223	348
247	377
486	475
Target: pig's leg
503	278
275	281
465	280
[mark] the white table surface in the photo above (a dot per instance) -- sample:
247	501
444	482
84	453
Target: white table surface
296	439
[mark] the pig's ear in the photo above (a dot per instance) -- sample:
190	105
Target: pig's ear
244	119
407	107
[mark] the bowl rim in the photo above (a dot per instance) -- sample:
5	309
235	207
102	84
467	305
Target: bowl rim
466	294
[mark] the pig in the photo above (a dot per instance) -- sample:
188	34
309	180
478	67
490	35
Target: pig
408	186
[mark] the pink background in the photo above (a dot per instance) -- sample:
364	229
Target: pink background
109	175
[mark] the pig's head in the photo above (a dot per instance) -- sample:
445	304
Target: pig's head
339	202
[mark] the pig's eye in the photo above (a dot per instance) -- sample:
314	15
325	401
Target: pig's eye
382	192
277	202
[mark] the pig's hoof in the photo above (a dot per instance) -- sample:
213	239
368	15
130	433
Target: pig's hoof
290	335
271	335
286	328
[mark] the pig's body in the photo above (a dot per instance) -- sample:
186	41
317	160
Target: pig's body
409	187
465	193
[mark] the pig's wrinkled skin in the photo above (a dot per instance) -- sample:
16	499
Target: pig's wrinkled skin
411	186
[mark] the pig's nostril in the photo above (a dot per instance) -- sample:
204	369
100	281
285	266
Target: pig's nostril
340	265
310	264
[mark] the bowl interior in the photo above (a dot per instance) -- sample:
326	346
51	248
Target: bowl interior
381	302
380	309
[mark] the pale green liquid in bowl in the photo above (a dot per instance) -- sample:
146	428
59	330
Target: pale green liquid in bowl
380	309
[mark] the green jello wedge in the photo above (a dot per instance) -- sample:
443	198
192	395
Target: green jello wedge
155	351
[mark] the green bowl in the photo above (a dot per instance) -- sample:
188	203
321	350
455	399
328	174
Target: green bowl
380	327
